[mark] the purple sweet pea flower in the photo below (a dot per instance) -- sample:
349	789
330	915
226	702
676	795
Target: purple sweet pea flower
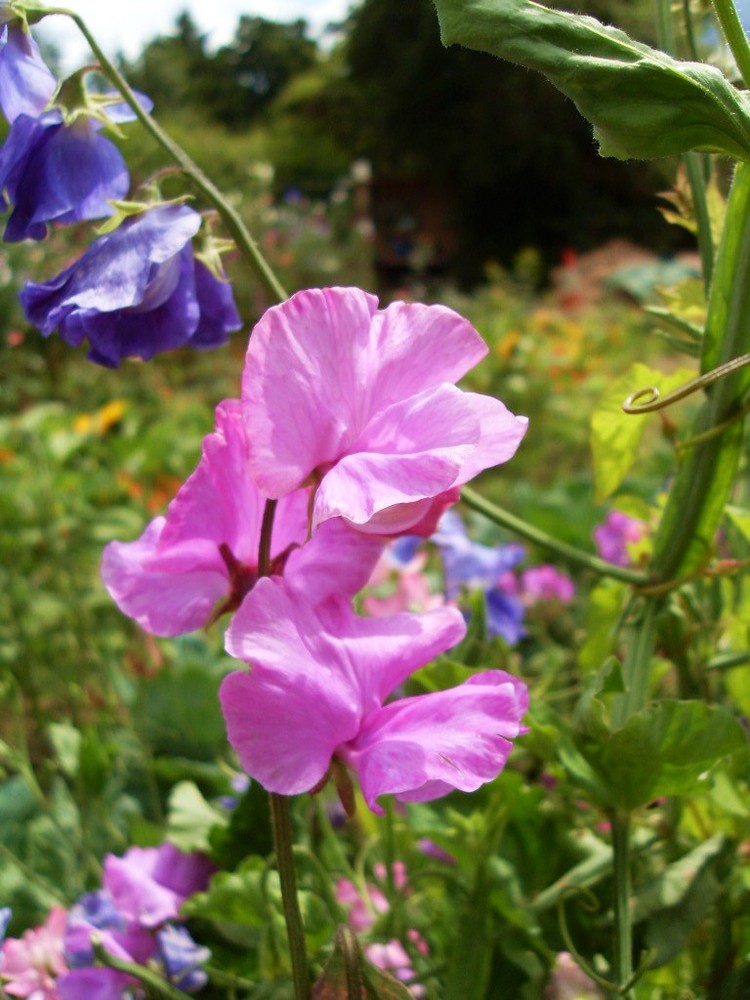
54	172
148	885
363	401
470	564
26	82
505	614
316	691
182	958
202	559
136	291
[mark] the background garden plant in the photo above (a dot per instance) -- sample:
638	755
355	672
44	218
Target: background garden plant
634	765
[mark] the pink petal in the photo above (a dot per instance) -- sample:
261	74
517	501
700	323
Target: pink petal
305	385
409	453
417	347
315	674
285	728
171	578
368	656
163	600
421	748
337	560
500	435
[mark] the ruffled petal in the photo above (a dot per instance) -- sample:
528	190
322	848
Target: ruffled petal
411	452
304	386
424	747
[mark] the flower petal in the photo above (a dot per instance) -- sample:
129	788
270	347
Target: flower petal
421	748
304	384
410	452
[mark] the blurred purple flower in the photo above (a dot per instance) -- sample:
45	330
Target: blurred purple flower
182	958
615	535
149	884
470	564
137	291
473	566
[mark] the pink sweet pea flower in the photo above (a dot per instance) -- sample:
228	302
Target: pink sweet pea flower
320	675
201	560
30	965
363	402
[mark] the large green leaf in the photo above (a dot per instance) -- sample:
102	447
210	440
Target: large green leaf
615	434
641	102
664	749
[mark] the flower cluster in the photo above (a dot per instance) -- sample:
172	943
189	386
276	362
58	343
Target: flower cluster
137	290
468	566
349	431
134	919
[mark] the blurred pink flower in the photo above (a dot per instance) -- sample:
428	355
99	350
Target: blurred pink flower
546	583
392	957
615	535
30	965
569	982
362	403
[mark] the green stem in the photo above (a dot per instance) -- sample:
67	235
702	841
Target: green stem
281	824
636	667
704	478
623	929
735	35
231	218
156	986
696	179
549	542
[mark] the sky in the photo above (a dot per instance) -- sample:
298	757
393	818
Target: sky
127	25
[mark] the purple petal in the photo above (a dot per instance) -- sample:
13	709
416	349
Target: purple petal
505	615
218	313
26	82
182	958
114	273
93	984
421	748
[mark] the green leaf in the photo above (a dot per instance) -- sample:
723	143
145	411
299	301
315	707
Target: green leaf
615	435
66	743
641	102
679	897
191	818
665	749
